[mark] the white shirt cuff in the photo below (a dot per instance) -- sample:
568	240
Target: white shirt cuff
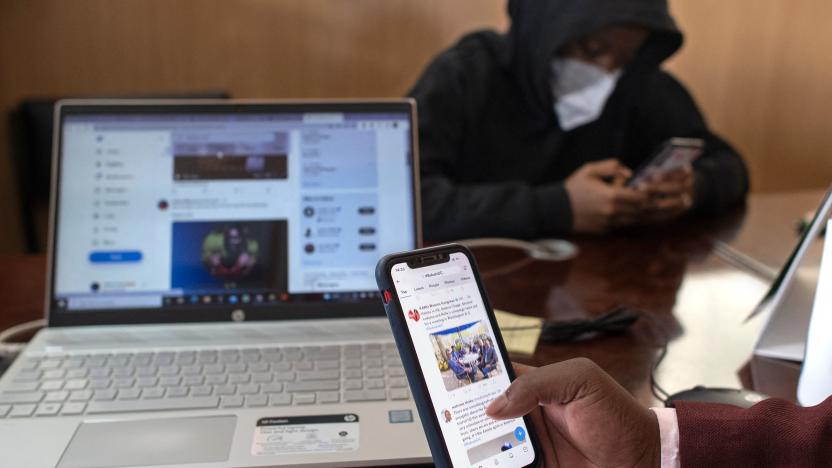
669	436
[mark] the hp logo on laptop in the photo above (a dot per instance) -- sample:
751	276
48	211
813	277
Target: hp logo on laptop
238	315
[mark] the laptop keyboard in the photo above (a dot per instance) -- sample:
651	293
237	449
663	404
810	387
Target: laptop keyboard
244	377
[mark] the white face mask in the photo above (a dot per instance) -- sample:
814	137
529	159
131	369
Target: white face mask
580	90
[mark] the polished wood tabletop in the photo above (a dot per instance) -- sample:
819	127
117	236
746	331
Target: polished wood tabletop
691	292
768	229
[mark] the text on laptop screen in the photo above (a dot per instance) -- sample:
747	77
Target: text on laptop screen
200	209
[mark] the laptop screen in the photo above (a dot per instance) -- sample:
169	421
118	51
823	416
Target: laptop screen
223	208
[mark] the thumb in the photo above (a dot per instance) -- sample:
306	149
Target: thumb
607	168
560	384
520	369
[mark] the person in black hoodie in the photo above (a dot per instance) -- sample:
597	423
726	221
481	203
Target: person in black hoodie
531	133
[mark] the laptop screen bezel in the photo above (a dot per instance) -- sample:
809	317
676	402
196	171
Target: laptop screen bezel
216	313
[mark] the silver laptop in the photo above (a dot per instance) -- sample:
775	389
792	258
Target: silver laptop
211	298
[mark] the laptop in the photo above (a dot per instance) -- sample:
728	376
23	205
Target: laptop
211	299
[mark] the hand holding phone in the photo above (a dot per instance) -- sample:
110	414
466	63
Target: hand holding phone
600	425
598	199
454	357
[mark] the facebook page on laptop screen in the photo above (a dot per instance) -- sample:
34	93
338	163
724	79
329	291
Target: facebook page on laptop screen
183	210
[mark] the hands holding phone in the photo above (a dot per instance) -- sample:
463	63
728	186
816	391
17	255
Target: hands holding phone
669	195
601	201
582	416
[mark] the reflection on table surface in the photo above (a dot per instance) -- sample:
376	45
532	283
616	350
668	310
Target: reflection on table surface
697	297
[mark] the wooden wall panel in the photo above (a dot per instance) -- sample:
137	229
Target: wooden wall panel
250	48
761	71
759	68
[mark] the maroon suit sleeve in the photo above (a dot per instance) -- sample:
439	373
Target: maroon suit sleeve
772	433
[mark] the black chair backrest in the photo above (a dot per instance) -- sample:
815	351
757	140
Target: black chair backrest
31	125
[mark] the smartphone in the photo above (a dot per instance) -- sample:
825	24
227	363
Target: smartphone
454	357
674	154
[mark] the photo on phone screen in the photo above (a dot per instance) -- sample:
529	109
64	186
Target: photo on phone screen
461	362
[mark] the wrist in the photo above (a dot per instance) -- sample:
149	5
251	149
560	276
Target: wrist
554	208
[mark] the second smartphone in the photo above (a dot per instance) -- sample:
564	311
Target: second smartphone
673	155
454	357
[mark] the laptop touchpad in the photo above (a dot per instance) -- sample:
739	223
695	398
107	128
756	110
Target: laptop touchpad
145	442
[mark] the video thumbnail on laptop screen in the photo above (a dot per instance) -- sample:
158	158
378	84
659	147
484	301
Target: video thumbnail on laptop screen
177	210
250	160
211	255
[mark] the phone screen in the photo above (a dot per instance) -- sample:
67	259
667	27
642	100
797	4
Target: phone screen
462	365
674	155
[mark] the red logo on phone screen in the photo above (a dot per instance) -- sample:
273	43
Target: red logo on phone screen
413	315
386	296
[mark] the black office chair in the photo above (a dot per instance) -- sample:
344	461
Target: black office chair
31	125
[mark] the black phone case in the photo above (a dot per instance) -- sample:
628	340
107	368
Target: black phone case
418	388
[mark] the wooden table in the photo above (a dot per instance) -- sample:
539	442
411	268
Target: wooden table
695	294
22	288
767	230
695	298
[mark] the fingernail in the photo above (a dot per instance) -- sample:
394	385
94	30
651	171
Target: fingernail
497	405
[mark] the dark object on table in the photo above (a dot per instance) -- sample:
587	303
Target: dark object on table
728	396
615	321
806	221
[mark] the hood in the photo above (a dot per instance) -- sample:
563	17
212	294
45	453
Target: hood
540	27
